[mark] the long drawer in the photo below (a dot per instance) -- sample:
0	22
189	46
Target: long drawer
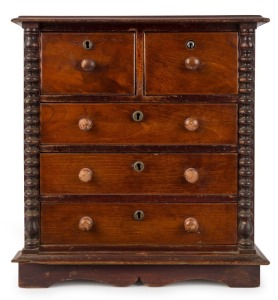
133	124
138	224
138	173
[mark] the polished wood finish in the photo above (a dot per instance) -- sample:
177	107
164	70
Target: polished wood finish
157	99
171	69
87	148
115	174
139	198
106	69
146	257
217	224
32	275
111	20
139	150
163	124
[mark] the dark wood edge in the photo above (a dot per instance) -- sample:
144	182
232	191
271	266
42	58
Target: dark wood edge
140	27
139	198
31	136
35	276
142	258
246	128
138	248
143	19
85	148
175	99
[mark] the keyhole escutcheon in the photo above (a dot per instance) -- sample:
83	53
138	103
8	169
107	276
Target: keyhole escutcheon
87	44
137	116
138	215
190	44
138	166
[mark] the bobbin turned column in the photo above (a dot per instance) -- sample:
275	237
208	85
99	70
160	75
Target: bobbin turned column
31	136
246	137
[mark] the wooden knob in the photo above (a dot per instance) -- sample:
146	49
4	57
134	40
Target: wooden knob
85	124
191	124
191	225
85	175
86	224
192	63
88	64
191	175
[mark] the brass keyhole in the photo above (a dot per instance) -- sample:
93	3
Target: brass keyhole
88	45
137	116
190	44
138	215
138	166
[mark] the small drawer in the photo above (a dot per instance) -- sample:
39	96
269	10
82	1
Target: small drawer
87	63
138	173
100	224
191	63
144	124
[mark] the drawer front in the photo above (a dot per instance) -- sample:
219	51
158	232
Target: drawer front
69	68
160	224
210	67
138	173
172	124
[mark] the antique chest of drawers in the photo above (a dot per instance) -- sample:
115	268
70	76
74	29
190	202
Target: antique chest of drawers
139	153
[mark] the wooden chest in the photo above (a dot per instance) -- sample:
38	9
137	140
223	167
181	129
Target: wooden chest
139	150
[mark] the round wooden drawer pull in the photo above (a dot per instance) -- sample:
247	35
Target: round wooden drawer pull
86	224
191	225
191	124
88	65
191	175
85	124
85	175
192	63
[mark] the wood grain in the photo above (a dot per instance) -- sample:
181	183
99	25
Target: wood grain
165	55
145	20
87	148
62	53
115	224
162	124
140	198
32	275
114	174
148	257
